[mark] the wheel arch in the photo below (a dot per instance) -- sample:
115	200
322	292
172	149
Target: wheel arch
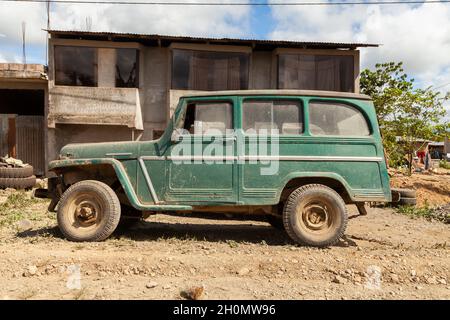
107	170
329	179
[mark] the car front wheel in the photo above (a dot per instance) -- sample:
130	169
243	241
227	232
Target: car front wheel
315	215
88	211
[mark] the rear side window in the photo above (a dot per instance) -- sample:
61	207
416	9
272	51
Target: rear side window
283	116
208	117
336	119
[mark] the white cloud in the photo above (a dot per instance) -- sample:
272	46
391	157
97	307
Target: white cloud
11	18
178	20
417	35
170	20
192	21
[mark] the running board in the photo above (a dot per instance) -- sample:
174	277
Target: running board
165	207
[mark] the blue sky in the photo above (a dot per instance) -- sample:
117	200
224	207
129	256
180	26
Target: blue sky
418	35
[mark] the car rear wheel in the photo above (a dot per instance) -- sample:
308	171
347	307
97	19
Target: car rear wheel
315	215
88	211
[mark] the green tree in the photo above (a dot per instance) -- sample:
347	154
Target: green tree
403	111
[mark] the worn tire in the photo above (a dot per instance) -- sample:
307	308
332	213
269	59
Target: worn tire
407	193
315	215
408	201
8	172
88	211
18	183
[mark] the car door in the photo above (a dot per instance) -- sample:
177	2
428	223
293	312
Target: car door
272	129
201	159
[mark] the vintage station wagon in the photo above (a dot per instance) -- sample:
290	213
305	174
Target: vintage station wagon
296	157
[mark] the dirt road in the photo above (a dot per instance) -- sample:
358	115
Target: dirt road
384	255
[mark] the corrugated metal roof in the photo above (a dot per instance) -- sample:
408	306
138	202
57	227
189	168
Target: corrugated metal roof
171	38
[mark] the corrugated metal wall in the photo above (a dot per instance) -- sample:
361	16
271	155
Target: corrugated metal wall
30	144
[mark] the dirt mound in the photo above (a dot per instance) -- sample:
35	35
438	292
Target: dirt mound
432	189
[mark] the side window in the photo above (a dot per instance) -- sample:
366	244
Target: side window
284	116
208	117
337	119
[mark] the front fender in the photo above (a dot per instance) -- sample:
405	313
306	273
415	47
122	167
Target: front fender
117	166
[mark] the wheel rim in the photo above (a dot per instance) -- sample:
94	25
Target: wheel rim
316	217
85	212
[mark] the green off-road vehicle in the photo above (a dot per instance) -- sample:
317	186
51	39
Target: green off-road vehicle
295	157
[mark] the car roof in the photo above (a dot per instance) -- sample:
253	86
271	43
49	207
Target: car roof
272	92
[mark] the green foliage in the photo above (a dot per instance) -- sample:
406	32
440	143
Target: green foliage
444	164
424	212
13	209
403	111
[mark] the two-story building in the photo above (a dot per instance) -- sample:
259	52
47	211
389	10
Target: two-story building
116	87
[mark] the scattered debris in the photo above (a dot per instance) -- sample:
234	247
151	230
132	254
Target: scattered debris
151	285
339	279
243	271
194	293
24	225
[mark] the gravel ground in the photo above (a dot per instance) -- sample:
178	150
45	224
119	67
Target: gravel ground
383	256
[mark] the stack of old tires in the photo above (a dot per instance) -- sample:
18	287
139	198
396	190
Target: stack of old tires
407	197
17	177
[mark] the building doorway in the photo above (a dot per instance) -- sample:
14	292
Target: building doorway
22	124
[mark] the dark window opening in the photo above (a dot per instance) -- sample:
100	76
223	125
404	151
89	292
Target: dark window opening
206	70
208	118
127	68
316	72
75	66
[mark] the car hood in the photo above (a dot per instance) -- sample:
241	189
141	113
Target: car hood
99	150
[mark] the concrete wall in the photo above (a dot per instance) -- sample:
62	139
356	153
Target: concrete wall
87	105
261	73
26	72
63	134
154	89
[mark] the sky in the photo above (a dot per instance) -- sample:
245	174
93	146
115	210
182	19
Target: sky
418	35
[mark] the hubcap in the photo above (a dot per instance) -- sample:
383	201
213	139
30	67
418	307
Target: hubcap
86	213
315	216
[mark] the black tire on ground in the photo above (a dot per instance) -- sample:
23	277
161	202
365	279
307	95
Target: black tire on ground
24	172
407	193
18	183
315	215
276	222
88	211
408	201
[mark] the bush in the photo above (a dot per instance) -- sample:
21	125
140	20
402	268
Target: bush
439	213
444	164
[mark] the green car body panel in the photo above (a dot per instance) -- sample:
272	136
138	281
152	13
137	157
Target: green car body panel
152	181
